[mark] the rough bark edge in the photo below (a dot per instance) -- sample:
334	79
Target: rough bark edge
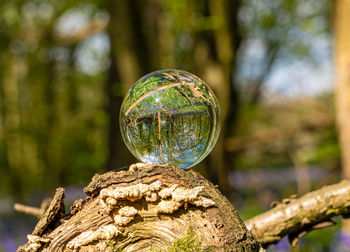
296	217
54	212
236	235
100	181
49	220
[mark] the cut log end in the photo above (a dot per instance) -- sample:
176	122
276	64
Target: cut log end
149	206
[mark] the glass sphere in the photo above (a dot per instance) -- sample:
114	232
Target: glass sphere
170	117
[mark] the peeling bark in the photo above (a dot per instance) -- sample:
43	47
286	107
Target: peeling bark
147	206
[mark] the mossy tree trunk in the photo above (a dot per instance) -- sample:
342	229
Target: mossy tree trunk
148	206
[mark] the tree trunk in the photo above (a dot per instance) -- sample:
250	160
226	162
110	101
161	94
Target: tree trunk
342	60
215	58
11	122
148	206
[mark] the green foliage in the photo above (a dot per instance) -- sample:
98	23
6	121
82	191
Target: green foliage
189	243
57	90
114	245
273	132
321	239
54	125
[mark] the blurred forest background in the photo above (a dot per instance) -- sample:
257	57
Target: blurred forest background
66	65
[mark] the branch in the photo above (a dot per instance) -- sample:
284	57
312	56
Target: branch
28	210
90	27
35	211
296	217
236	143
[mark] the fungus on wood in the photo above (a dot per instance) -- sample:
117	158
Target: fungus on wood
148	206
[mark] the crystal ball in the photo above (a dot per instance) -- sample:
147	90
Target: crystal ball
170	117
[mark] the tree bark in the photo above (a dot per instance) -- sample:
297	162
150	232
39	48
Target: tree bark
342	61
146	206
215	60
296	217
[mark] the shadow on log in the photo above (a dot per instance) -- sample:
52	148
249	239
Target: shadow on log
148	206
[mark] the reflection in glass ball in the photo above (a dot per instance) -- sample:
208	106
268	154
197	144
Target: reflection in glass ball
170	117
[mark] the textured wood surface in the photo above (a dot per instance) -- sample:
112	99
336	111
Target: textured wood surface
101	223
296	217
